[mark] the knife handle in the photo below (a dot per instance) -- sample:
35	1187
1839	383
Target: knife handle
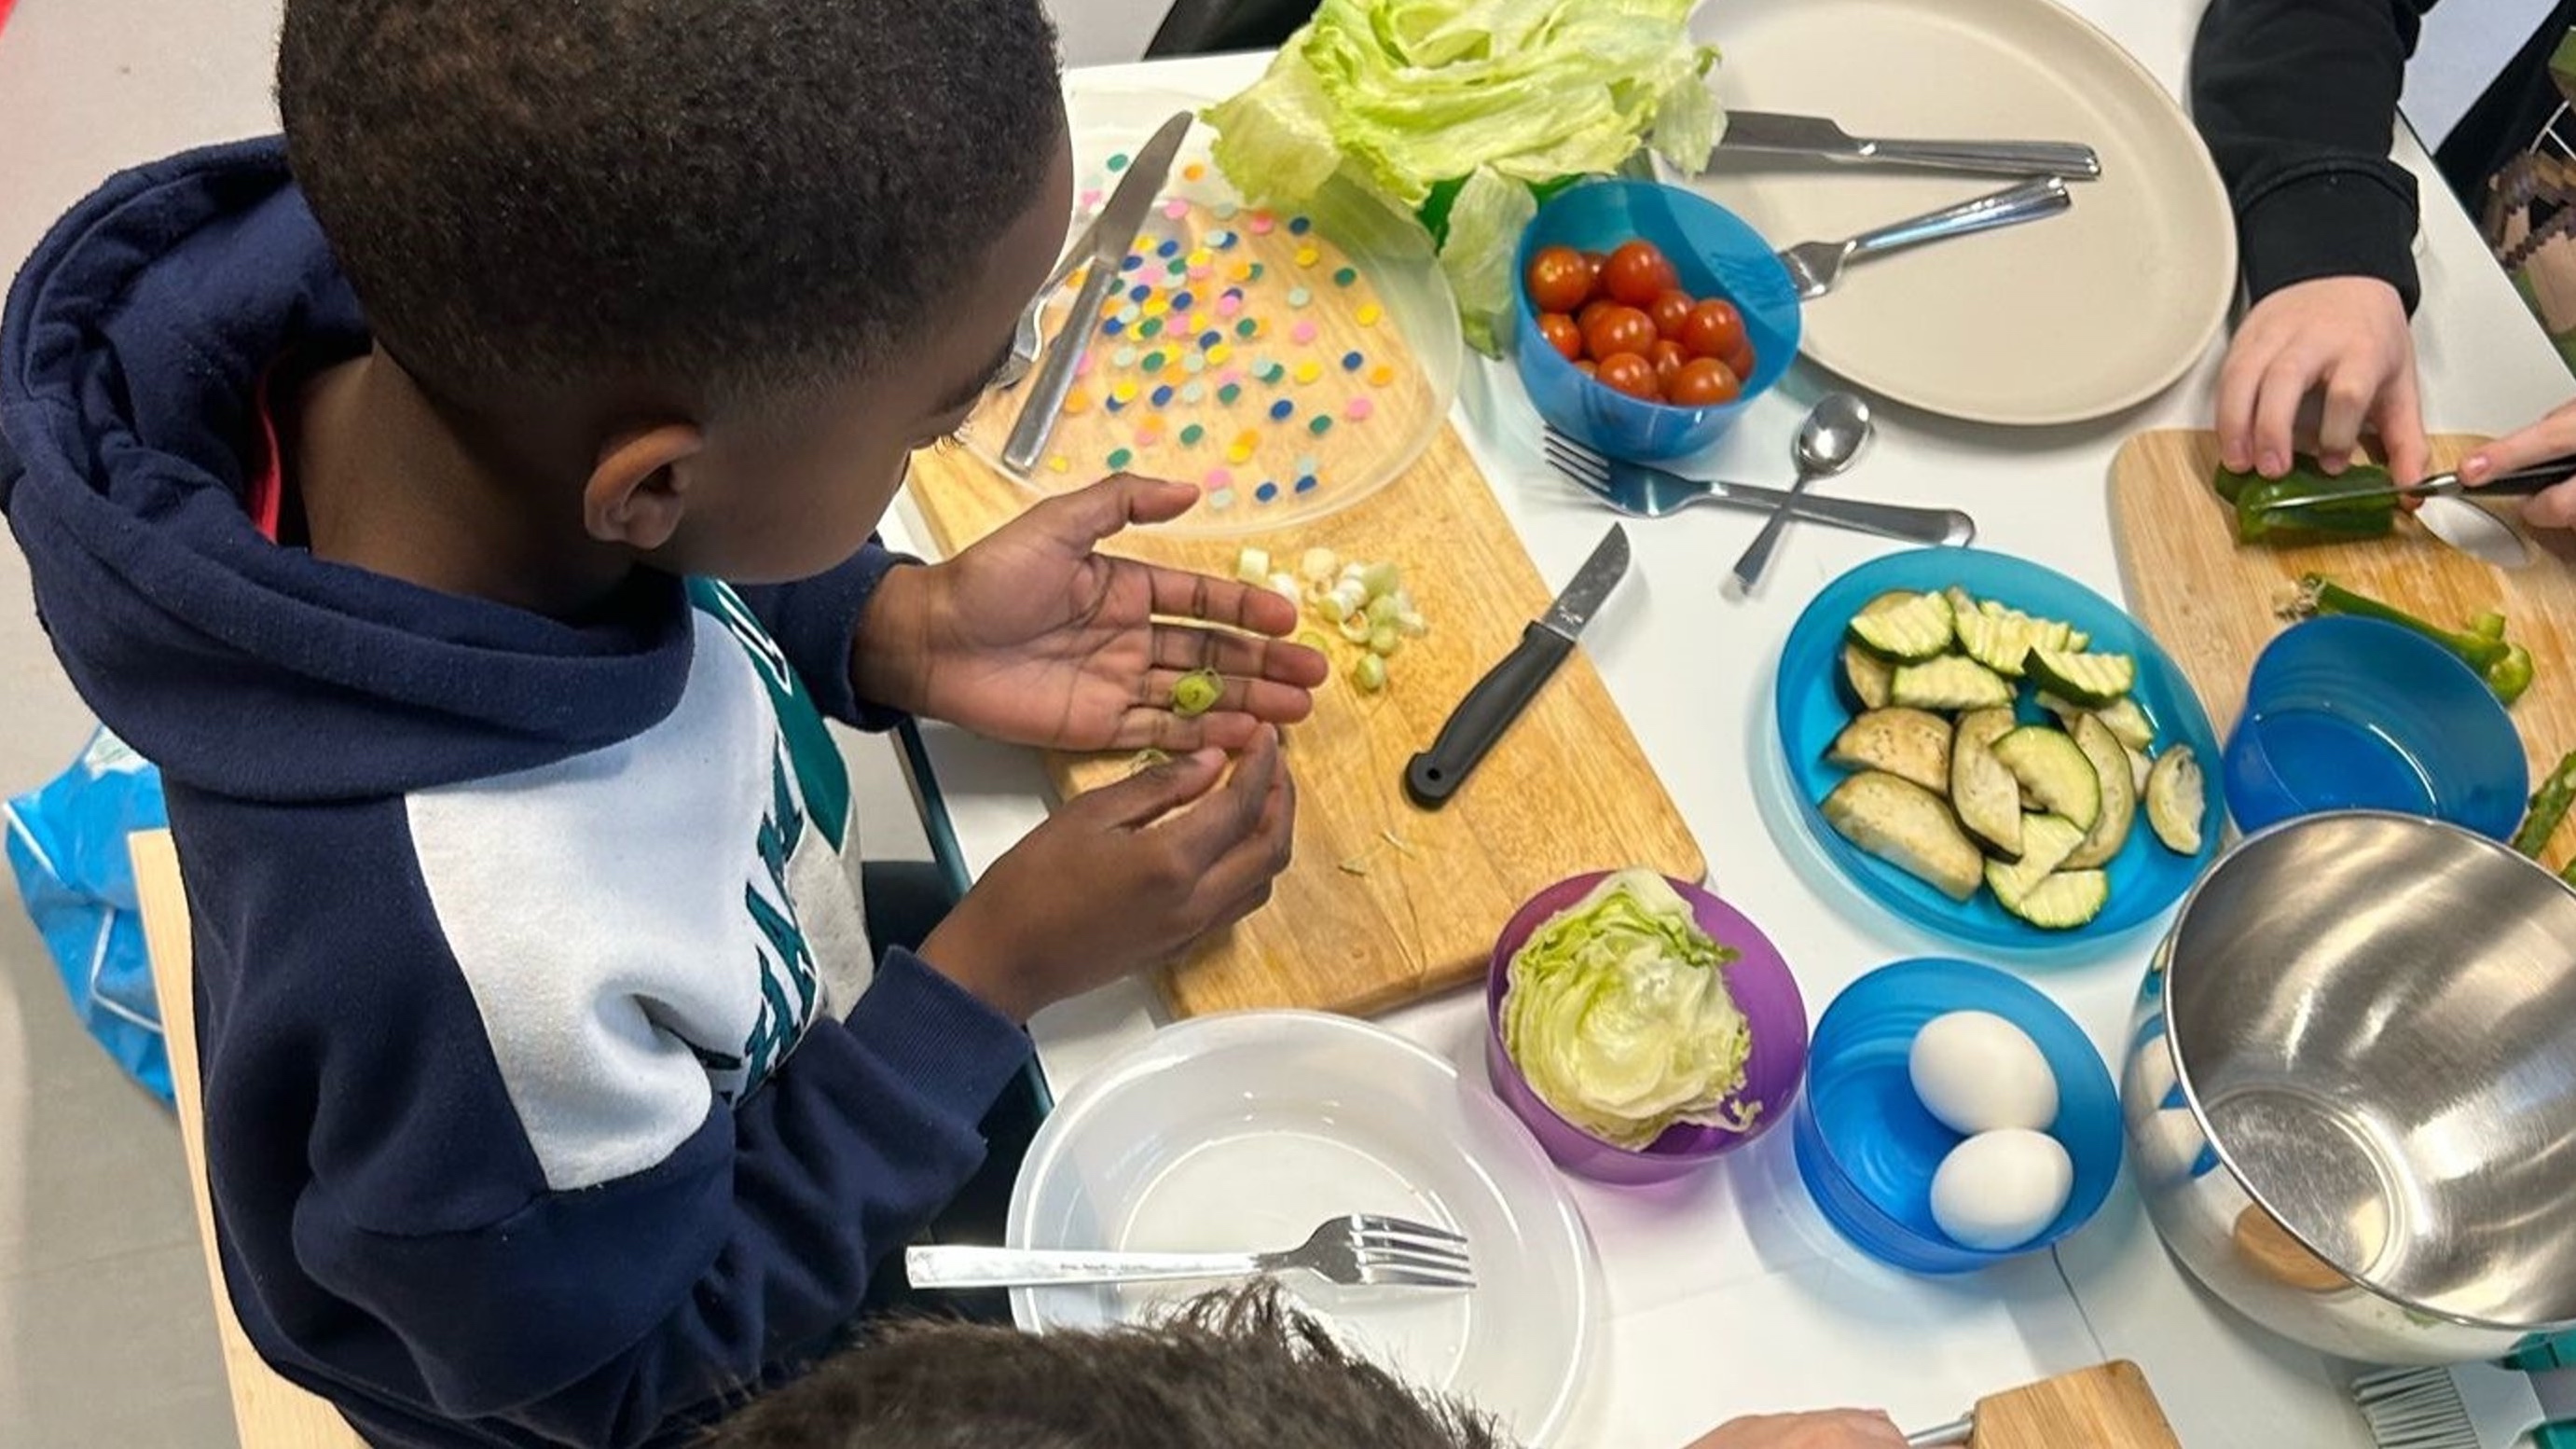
1991	158
1055	374
2523	482
1483	716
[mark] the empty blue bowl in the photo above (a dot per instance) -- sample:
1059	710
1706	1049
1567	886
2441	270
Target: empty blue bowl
1866	1146
1716	255
2358	714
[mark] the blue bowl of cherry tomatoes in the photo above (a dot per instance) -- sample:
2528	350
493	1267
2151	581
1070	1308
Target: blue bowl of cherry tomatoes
1649	317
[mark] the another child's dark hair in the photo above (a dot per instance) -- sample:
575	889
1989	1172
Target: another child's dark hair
1230	1370
738	195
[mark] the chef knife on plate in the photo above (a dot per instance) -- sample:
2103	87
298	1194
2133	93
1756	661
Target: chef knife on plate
1498	699
1770	131
1111	235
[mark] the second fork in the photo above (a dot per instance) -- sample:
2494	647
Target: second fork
1642	491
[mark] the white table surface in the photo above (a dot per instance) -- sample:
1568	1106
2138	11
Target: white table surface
1728	1294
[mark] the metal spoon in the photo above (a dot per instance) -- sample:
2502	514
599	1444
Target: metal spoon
1827	443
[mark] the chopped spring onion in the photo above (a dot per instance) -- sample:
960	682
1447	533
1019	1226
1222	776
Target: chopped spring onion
1285	586
1346	597
1369	674
1314	639
1318	565
1195	693
1381	578
1383	641
1146	759
1381	610
1252	566
1356	627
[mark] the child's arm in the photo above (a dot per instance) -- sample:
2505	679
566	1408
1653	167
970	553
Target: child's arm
2298	102
816	624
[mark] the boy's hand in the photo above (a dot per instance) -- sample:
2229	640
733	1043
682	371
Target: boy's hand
1122	878
1832	1429
1034	637
2548	438
2340	340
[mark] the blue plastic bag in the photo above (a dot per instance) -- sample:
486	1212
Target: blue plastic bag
67	844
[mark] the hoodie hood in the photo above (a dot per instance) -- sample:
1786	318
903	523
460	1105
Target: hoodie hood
131	354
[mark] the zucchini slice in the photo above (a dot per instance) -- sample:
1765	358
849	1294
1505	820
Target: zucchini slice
2128	723
1984	793
2110	760
2046	841
1917	630
1949	683
1865	675
2065	900
2054	772
1907	743
1908	827
2091	680
2176	800
2140	767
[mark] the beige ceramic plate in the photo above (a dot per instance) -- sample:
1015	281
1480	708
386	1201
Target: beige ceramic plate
2069	318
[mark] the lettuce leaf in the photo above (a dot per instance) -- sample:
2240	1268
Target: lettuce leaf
1493	96
1618	1016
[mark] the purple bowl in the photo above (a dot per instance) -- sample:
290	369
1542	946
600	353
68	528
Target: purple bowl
1763	990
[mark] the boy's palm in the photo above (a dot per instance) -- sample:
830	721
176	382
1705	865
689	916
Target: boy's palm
1033	636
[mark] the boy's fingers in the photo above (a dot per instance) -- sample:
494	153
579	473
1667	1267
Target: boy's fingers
1238	884
1180	594
1152	793
2349	394
2239	382
1209	829
2548	438
2553	508
1083	518
2276	413
1187	647
2401	430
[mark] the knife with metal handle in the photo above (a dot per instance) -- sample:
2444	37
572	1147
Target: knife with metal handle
1498	698
2520	483
1817	136
1111	235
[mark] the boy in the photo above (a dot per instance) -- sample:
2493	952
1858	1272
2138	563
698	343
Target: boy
1230	1369
377	488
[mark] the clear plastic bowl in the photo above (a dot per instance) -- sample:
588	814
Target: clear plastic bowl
1417	335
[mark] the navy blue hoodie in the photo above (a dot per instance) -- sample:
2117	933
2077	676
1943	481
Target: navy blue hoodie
552	1093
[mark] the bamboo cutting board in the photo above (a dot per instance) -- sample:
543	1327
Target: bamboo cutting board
2214	604
2107	1406
1387	902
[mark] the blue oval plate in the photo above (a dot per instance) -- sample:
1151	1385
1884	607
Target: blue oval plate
1811	709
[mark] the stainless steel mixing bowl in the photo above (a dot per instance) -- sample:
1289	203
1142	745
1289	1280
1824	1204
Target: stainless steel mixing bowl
2351	1089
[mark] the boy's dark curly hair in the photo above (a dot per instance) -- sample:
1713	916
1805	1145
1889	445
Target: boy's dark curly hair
736	195
1229	1371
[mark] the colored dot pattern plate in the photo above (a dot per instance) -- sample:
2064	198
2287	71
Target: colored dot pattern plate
1275	358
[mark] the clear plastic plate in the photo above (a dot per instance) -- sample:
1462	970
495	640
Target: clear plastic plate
1244	1131
1286	393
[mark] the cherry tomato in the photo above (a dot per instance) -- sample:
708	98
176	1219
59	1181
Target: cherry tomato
1668	357
1596	261
1561	334
1741	361
1587	366
1637	273
1713	328
1617	329
1629	373
1670	309
1704	382
1558	280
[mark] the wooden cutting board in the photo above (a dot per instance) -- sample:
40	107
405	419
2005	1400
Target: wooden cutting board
1387	902
2214	604
2107	1406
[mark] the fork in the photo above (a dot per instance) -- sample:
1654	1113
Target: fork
1815	266
1361	1250
1640	491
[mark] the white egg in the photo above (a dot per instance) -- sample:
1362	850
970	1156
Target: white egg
1980	1073
1999	1190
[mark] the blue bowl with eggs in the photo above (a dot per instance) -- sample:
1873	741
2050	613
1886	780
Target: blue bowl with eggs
1867	1147
1715	254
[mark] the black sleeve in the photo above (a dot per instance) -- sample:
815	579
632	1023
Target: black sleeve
2298	102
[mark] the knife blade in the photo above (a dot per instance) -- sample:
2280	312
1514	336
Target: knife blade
1498	699
1773	132
1111	234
